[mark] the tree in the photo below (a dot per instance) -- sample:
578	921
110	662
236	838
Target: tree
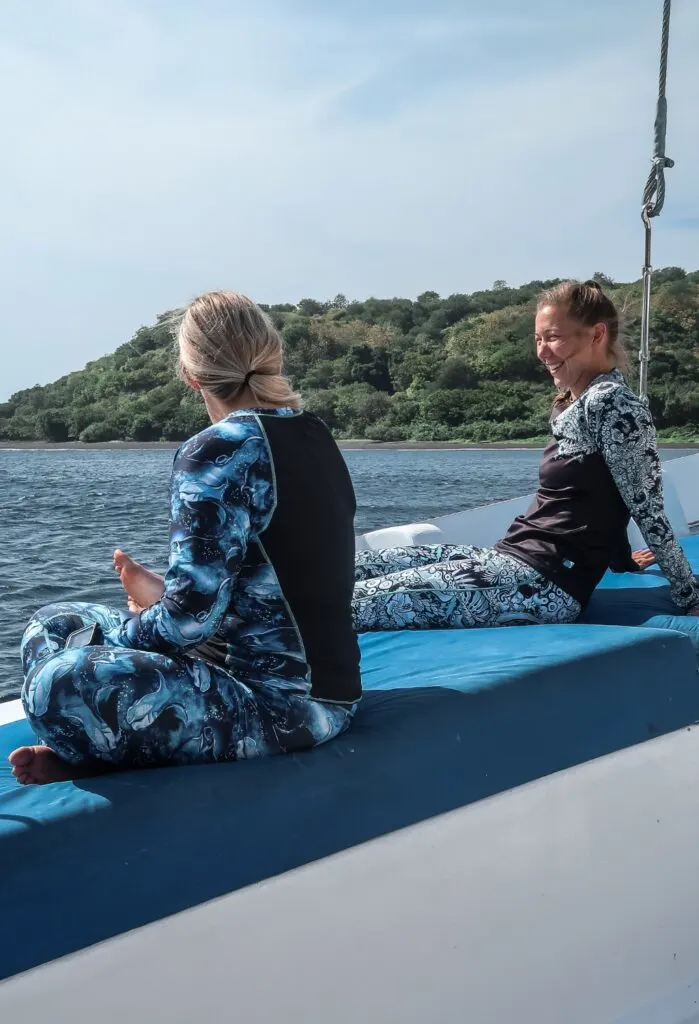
666	274
144	429
295	331
456	373
323	403
53	426
310	307
323	374
428	301
448	407
104	431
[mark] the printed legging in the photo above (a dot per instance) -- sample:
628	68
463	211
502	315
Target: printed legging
139	709
452	586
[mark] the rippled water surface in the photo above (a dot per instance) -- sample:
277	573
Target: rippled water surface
62	513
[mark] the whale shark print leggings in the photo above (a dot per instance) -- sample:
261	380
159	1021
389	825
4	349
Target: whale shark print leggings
140	709
452	586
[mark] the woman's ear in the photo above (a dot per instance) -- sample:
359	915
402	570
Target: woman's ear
600	334
191	382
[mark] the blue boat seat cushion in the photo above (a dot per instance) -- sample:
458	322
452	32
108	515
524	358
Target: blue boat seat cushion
447	719
643	599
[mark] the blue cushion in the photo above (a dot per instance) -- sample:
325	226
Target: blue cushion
643	599
448	718
651	577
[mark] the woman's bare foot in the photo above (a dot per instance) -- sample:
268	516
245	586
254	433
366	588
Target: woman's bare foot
143	587
40	765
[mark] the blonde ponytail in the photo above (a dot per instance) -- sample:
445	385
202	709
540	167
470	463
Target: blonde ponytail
227	343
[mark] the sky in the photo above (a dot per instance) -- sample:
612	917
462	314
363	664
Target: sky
154	149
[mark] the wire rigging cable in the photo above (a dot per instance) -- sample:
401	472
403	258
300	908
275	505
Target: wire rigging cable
654	196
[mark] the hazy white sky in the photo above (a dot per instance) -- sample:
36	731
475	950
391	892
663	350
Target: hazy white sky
156	148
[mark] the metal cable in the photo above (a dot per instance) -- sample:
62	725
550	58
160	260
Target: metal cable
654	192
654	196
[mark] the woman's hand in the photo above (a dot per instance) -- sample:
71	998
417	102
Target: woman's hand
643	558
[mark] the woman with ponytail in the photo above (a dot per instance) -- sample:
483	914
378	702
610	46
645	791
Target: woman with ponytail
246	647
601	468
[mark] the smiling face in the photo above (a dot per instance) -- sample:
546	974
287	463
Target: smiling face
573	353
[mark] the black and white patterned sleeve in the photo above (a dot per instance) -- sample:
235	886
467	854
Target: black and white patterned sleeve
623	430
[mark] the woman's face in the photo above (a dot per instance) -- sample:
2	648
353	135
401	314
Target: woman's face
571	352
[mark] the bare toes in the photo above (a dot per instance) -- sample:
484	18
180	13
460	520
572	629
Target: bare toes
21	757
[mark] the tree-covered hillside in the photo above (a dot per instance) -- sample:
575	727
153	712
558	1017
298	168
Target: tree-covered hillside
438	369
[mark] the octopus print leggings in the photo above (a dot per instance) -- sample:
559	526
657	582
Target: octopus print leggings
452	586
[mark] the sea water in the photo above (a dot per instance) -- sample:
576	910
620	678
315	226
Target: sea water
62	513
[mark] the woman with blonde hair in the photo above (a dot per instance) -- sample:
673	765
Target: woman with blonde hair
245	648
601	468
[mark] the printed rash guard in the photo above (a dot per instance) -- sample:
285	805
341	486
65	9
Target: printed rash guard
601	468
261	568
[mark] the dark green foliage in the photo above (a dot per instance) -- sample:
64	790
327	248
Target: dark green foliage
433	369
54	426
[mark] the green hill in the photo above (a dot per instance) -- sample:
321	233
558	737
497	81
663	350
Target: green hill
439	369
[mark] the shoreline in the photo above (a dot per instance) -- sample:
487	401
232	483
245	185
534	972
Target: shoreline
348	445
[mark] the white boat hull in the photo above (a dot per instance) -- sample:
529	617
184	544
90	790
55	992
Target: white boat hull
571	900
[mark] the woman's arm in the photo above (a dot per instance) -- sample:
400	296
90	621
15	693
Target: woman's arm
222	493
622	559
622	427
